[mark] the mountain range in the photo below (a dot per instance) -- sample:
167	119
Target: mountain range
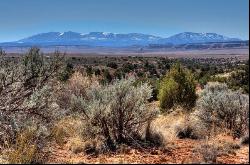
104	39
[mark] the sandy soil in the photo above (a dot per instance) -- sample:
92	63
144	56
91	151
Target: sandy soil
181	151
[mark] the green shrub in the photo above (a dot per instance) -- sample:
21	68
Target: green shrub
107	78
239	80
112	65
89	70
66	72
177	88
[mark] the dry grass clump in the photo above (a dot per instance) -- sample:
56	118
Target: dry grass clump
208	151
161	131
220	145
93	147
68	127
226	144
154	136
70	132
245	139
88	147
25	149
3	158
164	129
75	144
189	126
178	124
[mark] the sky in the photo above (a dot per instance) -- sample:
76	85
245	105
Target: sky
23	18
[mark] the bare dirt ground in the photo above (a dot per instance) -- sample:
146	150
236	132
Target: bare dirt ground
180	152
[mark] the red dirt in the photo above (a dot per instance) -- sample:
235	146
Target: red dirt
181	152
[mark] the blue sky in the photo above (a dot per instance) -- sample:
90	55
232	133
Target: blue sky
22	18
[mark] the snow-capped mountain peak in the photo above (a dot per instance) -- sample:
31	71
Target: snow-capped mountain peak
111	39
190	37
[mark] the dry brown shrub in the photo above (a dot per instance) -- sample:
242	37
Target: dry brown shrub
66	128
220	145
79	82
75	144
70	94
25	149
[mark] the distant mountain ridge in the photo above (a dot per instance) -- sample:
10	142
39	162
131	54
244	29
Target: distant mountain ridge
117	40
91	39
190	37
